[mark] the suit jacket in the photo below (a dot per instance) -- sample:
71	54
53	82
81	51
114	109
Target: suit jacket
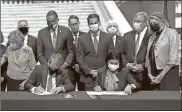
87	57
31	42
71	44
39	77
5	65
123	76
127	48
119	39
166	48
45	48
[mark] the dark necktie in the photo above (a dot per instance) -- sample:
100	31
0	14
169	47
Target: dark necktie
54	39
96	43
137	47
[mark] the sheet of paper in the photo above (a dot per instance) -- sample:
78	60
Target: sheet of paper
106	93
44	93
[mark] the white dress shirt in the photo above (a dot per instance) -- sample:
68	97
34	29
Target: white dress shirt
114	40
97	37
53	84
26	40
74	35
56	30
142	34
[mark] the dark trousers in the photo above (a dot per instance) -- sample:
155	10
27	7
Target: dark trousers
13	85
3	84
75	78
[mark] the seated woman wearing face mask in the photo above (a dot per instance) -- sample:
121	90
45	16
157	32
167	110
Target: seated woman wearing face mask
162	54
112	77
21	61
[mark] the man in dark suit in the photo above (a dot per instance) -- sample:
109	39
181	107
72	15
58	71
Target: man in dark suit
72	39
50	78
53	39
92	49
30	40
134	48
4	66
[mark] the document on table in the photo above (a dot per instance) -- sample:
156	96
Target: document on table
106	93
44	93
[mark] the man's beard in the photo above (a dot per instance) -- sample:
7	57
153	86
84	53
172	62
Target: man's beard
52	71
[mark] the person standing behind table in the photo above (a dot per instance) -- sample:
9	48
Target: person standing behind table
52	39
162	54
112	28
50	78
29	40
134	48
72	39
113	77
4	67
21	61
92	49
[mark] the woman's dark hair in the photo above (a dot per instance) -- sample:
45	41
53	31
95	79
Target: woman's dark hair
114	55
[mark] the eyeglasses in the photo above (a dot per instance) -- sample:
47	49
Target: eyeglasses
74	24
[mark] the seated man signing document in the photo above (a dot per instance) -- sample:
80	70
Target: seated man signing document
50	78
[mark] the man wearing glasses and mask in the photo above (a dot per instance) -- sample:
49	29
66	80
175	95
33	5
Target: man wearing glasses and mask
52	39
72	39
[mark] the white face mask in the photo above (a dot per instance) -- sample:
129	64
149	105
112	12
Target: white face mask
112	30
113	67
94	28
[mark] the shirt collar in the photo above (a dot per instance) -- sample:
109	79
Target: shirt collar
98	33
26	37
143	32
76	34
114	37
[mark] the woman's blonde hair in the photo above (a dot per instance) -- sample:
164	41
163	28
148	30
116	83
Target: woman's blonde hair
17	37
160	17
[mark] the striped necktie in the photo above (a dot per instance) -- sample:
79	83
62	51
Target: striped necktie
54	40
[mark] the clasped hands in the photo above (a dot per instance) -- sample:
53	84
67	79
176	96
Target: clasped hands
155	80
135	67
55	90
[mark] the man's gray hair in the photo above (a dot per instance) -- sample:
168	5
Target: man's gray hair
58	57
144	14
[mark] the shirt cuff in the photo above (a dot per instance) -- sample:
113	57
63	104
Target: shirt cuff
133	86
127	64
63	89
32	90
66	64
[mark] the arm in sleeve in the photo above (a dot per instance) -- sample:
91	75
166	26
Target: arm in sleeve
5	57
32	61
40	50
67	84
80	57
69	57
31	81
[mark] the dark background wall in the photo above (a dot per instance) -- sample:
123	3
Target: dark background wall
130	8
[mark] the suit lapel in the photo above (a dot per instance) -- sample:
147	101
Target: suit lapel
59	37
117	41
29	41
44	78
143	41
161	36
101	41
48	34
90	42
132	37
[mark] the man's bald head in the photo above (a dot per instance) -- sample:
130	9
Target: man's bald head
22	23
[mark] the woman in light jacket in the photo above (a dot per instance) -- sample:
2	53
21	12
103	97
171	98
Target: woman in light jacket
162	54
21	61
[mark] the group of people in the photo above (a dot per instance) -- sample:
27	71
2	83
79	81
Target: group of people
146	58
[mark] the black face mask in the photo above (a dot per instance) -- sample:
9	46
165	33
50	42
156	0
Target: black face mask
24	30
155	27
